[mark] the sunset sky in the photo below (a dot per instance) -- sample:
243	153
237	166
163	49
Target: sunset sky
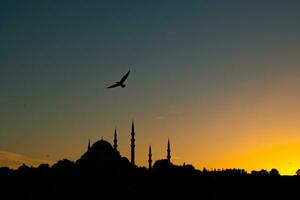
221	79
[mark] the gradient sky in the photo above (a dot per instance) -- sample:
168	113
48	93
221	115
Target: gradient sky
219	78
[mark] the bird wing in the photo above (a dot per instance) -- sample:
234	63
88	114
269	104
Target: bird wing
124	77
114	85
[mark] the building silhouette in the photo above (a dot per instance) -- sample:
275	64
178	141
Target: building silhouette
101	159
132	147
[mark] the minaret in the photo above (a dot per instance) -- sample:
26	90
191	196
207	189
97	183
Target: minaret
132	143
150	158
169	151
115	140
89	145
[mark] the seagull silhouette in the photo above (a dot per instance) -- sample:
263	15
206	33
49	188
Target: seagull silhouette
121	82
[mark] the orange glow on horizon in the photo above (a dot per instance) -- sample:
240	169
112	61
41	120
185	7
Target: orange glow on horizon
284	157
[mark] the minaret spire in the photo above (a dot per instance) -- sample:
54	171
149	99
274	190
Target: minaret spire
89	145
150	158
132	143
132	126
115	140
169	151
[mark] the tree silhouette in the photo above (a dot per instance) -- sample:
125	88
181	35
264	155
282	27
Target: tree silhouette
274	172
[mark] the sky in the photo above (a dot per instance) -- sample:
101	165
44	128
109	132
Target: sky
220	79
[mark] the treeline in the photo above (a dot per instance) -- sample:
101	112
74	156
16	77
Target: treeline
161	167
69	180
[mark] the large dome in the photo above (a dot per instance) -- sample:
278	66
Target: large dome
100	155
103	148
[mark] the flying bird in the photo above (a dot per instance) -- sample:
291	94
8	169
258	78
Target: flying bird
121	82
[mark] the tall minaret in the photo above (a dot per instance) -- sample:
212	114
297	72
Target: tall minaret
132	143
169	151
150	158
89	145
115	140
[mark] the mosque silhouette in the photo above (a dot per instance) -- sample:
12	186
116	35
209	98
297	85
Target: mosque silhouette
103	155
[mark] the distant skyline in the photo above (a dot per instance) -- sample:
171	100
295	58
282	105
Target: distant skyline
220	79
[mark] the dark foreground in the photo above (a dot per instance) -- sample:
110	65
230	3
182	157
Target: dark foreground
39	184
102	173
